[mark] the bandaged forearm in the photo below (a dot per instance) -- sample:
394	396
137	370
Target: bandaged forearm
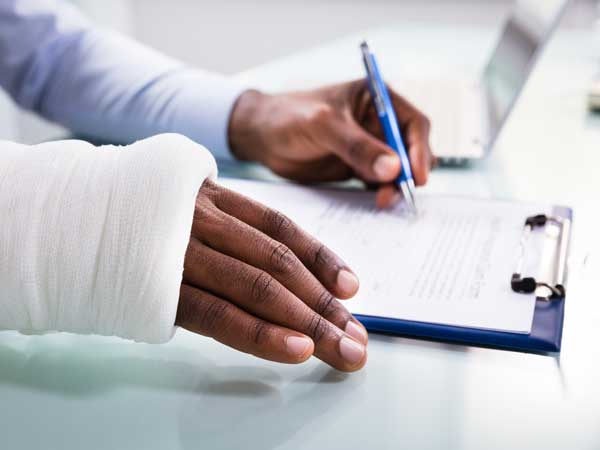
93	239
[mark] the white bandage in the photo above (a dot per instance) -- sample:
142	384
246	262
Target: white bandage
92	240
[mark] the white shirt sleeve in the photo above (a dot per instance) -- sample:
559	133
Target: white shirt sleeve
93	239
103	85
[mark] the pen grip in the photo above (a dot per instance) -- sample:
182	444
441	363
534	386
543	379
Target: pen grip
393	138
388	119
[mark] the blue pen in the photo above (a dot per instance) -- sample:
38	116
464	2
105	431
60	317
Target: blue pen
389	122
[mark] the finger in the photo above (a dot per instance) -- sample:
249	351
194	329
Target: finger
324	264
417	136
370	158
232	237
259	294
387	196
416	129
208	315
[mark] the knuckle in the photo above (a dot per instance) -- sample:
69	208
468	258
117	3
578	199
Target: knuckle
209	189
215	194
319	256
259	332
325	304
356	149
264	288
278	225
206	214
281	259
322	113
317	328
215	318
195	257
425	122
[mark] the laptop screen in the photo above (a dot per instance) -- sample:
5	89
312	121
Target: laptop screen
522	38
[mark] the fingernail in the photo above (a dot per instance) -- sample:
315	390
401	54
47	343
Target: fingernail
347	282
297	346
386	167
357	332
351	351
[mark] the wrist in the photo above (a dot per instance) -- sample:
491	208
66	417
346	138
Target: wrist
243	131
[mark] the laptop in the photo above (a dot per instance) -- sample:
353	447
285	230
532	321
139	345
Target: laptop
467	117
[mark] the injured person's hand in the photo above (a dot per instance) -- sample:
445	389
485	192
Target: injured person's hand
255	281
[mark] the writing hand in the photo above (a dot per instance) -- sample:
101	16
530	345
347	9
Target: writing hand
329	134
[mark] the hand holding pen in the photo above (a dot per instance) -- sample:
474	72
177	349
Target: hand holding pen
389	123
328	134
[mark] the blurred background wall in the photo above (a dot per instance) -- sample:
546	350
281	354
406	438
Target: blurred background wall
232	35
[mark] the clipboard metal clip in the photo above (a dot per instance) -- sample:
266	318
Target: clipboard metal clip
528	285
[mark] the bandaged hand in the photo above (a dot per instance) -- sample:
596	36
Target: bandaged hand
255	281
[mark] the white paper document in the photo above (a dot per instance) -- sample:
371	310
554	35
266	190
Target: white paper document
449	265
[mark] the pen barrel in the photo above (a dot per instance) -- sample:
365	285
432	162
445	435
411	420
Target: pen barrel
393	138
387	115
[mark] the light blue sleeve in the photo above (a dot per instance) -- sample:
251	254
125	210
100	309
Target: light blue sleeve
104	85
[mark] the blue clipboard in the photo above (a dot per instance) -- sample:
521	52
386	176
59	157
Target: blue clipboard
548	318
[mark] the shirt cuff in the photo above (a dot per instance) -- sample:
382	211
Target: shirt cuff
203	108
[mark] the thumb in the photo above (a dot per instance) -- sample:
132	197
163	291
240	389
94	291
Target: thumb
371	159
